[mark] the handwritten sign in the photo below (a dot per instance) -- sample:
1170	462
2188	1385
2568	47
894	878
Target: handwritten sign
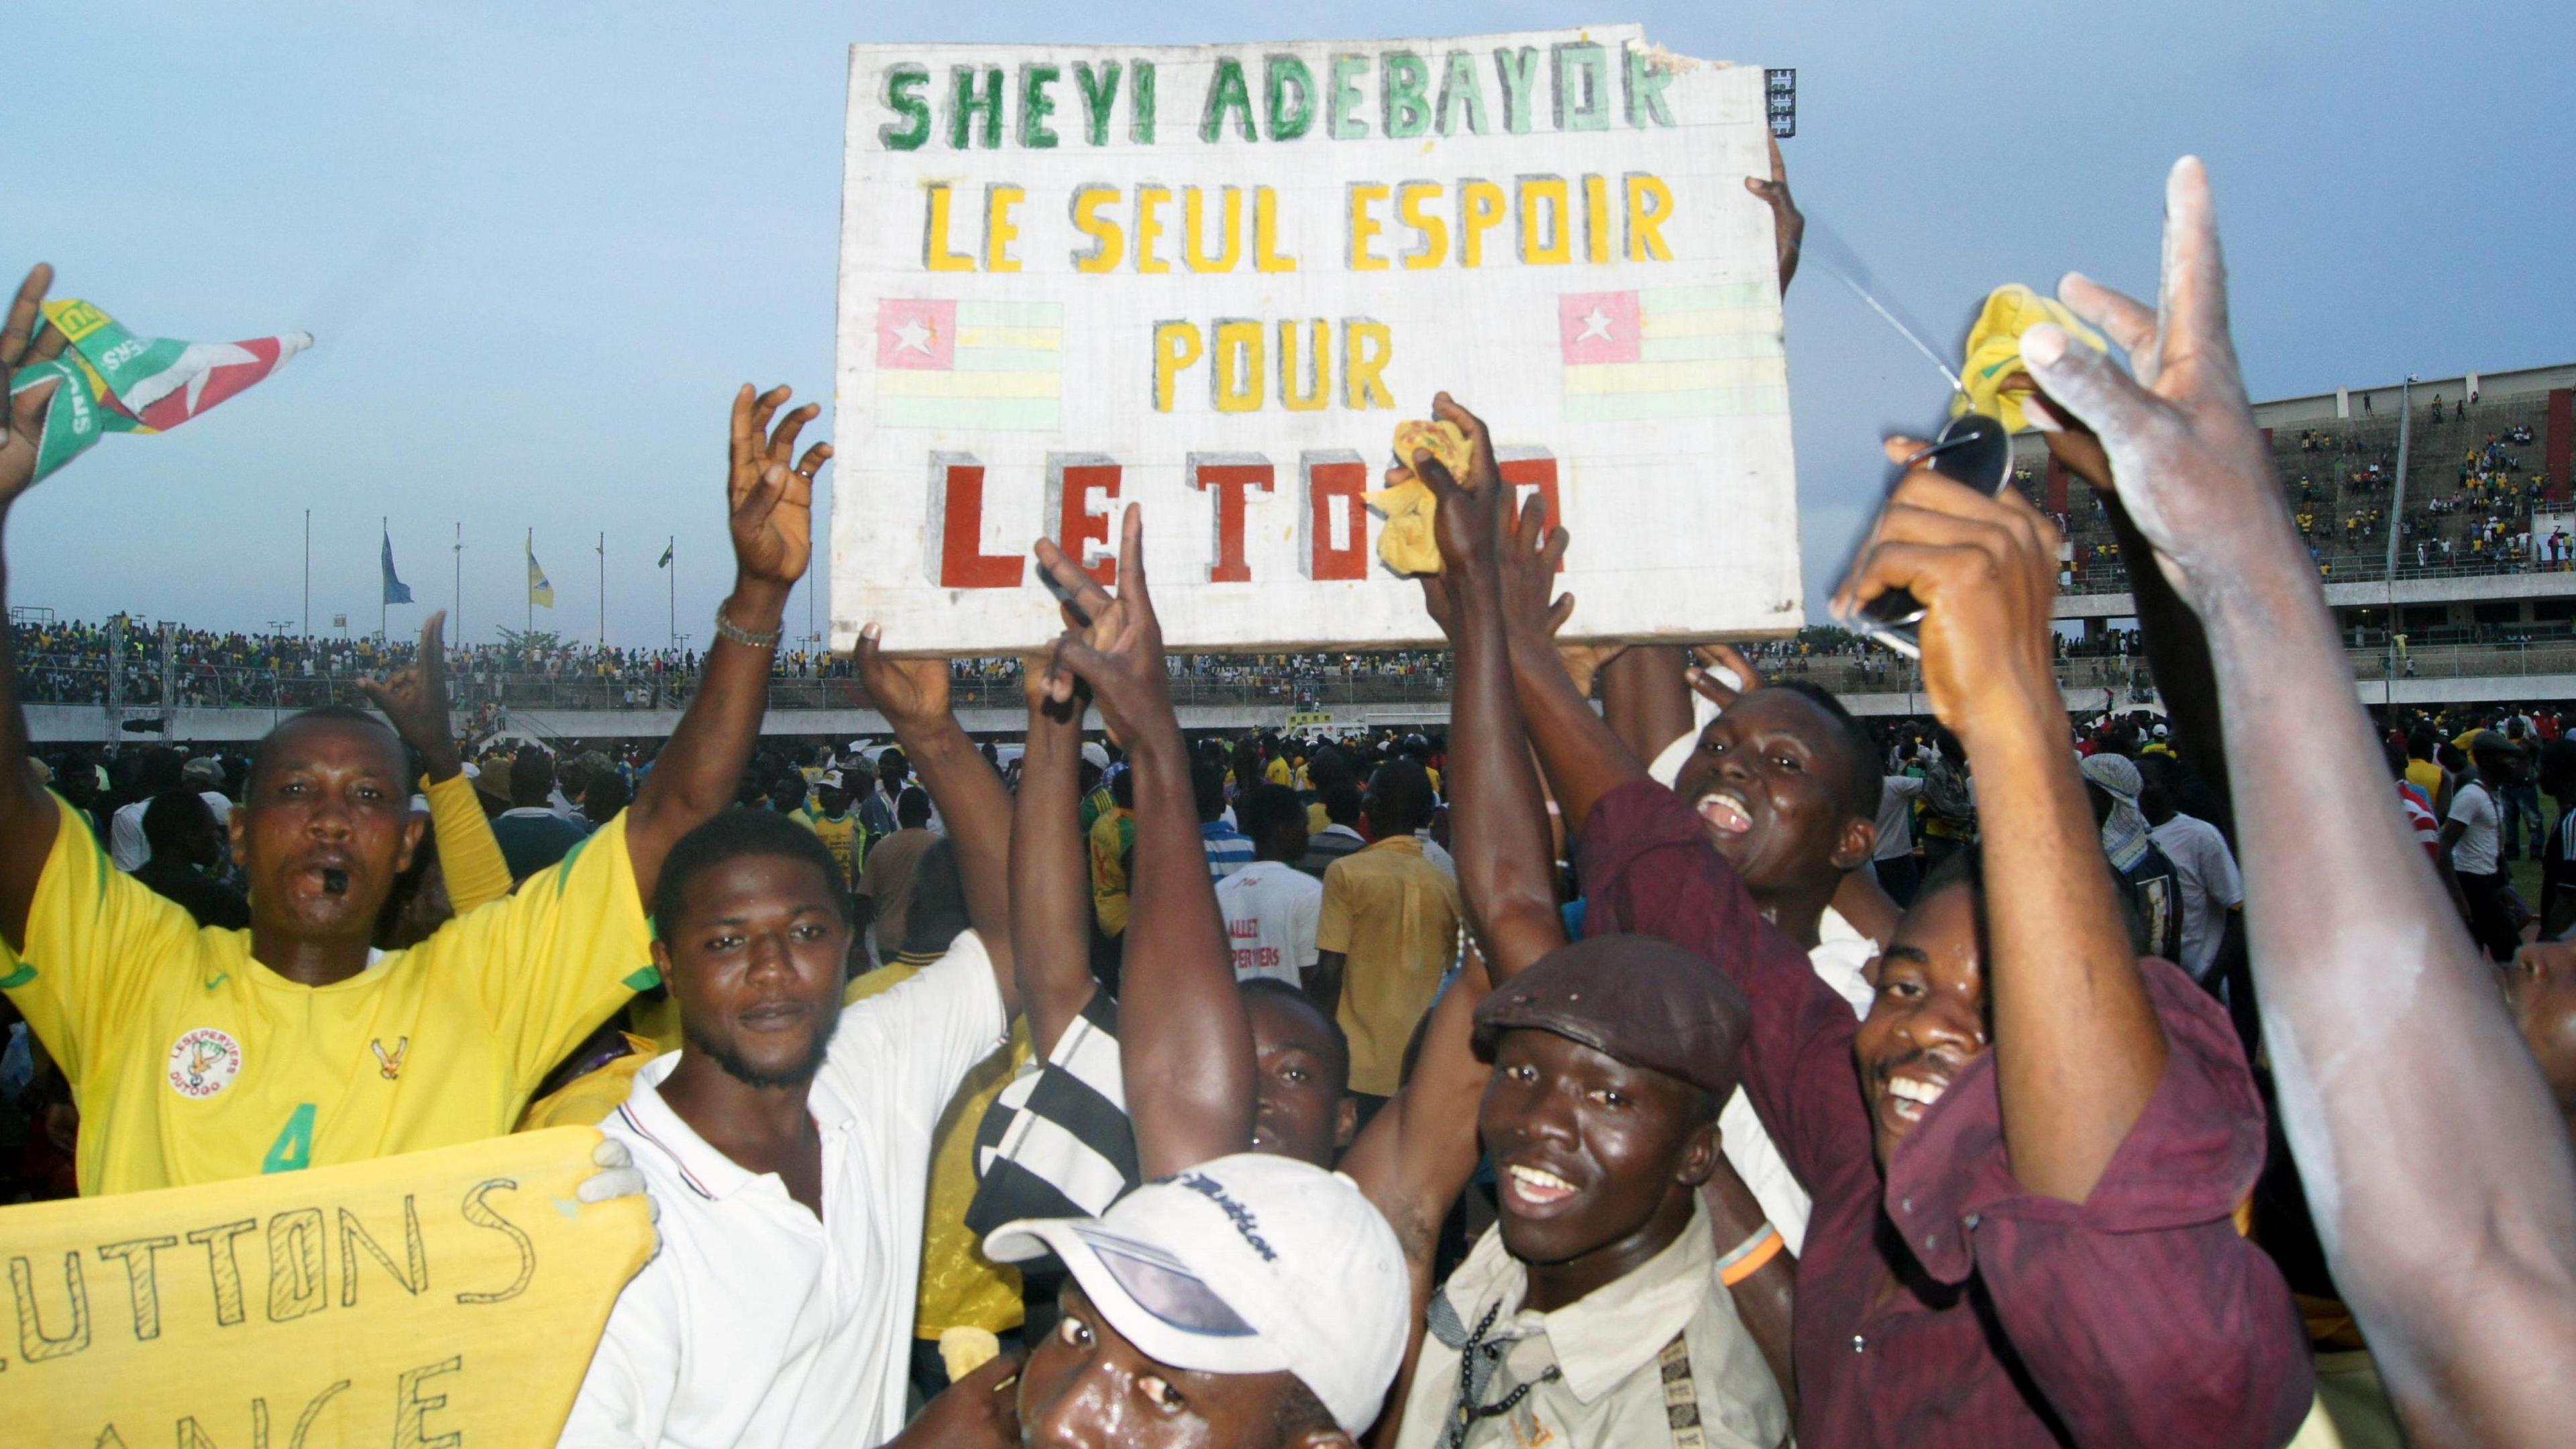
1213	279
441	1298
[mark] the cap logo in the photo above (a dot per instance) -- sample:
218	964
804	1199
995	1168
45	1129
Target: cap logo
1245	1224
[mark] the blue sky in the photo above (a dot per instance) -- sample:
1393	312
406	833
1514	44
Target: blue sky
541	243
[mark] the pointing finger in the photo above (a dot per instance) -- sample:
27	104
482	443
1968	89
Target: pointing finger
2193	294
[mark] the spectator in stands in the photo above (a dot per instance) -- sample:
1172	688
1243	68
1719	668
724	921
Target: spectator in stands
185	850
157	770
885	882
1228	849
1388	931
532	835
1271	908
1338	803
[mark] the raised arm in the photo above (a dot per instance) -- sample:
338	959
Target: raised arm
2078	1048
1584	758
1185	1042
415	700
1050	884
770	500
28	816
1498	818
913	696
2401	1075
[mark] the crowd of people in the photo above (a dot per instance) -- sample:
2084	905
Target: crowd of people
1654	1055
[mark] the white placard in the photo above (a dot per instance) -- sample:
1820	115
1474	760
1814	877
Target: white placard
1212	280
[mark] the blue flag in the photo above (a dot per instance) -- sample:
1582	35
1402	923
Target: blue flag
396	591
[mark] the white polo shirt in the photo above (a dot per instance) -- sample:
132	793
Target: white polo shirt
1271	914
756	1323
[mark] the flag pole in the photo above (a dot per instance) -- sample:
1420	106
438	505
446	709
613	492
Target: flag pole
603	588
672	549
308	576
531	560
385	535
456	616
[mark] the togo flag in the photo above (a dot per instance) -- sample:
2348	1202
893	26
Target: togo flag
116	382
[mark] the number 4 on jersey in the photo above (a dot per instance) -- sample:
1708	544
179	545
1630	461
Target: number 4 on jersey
293	1149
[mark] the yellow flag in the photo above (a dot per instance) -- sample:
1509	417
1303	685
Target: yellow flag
406	1300
1994	350
540	593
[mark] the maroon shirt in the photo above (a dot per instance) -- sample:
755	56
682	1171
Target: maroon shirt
2136	1317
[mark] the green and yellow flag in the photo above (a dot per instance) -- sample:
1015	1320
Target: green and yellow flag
540	592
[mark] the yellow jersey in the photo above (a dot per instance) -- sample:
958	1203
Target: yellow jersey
191	1062
841	837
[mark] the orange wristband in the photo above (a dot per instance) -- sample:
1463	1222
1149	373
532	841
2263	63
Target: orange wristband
1746	1261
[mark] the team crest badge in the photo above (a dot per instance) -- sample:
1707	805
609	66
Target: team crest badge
389	1063
204	1062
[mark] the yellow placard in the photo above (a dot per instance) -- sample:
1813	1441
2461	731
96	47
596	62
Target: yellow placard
444	1298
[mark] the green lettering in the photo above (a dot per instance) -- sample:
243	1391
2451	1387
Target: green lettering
1036	105
1140	101
1518	70
1226	92
1099	92
293	1149
1281	74
1342	112
903	85
1401	94
1461	91
964	105
1582	75
1646	80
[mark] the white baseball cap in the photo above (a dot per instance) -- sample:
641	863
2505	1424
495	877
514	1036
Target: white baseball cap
1247	1264
1097	753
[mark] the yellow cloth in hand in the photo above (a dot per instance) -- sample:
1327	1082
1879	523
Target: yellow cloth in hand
1406	543
964	1350
1994	350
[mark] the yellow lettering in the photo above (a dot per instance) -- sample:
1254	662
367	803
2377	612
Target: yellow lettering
1367	347
1108	243
1319	367
935	253
1480	210
1364	227
1194	231
999	231
1410	199
1176	346
1650	205
1558	249
1236	369
1265	233
1596	219
1149	227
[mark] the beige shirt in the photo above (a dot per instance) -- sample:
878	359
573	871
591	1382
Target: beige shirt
1599	1367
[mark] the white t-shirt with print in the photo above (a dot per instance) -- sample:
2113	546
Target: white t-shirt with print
1271	912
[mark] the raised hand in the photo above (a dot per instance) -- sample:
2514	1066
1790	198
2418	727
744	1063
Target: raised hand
19	345
772	501
1986	571
907	692
1788	223
1708	657
2179	434
1116	643
415	699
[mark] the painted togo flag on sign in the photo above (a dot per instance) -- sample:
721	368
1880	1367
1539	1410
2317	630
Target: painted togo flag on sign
1672	352
950	364
115	382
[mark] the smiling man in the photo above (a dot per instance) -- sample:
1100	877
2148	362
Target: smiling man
199	1055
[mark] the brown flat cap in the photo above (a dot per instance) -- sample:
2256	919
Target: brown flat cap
1640	999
